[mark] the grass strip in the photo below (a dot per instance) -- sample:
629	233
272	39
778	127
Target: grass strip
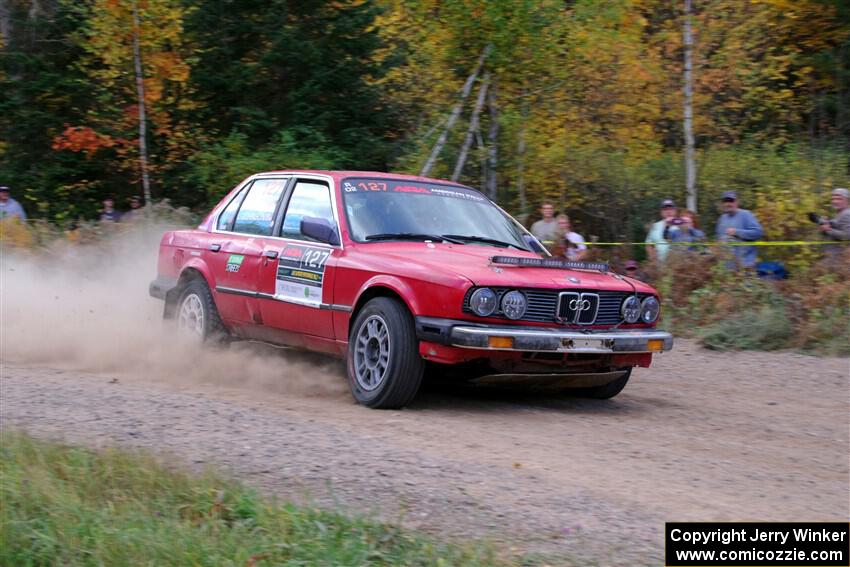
65	505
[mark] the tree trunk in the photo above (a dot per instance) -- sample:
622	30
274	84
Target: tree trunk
690	166
520	152
473	126
492	146
140	93
5	24
467	88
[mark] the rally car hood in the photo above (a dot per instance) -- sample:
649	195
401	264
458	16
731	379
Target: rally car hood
474	263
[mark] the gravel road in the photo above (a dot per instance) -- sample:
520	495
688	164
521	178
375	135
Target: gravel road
699	436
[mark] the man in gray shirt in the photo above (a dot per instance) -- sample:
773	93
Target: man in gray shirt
738	225
838	228
546	230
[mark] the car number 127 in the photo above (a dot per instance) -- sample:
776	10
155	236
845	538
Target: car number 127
315	258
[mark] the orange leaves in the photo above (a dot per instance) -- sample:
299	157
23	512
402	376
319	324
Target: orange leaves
82	139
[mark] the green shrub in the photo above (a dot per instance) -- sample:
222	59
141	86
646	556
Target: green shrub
765	328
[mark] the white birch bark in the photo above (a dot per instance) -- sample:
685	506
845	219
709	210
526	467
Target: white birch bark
467	88
140	93
473	126
690	165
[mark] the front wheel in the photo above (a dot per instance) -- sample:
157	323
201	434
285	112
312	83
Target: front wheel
384	366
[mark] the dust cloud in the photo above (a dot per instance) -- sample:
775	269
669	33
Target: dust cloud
86	308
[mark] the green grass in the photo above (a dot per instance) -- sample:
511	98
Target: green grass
63	505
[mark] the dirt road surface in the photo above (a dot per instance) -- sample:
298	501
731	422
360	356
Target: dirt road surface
699	436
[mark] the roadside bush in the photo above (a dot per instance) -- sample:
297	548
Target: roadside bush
764	328
728	310
33	236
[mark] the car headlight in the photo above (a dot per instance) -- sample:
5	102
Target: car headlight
514	304
631	309
650	310
483	302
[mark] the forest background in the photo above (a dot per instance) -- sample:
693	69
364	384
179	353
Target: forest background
576	101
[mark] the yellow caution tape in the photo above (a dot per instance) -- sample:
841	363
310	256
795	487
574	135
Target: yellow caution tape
735	243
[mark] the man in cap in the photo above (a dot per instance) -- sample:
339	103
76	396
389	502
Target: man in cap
632	269
738	225
838	228
8	206
658	246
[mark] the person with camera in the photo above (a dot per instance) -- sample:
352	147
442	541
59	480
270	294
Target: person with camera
657	245
838	227
572	243
683	228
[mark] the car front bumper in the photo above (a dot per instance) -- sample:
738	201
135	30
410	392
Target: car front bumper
543	339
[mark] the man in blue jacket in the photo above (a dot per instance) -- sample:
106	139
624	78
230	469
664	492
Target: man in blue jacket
738	225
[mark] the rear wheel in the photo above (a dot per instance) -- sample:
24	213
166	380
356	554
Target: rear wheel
384	366
608	390
197	316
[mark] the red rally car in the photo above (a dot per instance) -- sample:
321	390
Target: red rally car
396	272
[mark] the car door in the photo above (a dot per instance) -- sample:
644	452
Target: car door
237	245
296	290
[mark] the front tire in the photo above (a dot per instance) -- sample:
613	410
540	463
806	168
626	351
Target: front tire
197	316
384	366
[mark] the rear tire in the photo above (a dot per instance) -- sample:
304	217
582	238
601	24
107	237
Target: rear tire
197	316
608	390
384	366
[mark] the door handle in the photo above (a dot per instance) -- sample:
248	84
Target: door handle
215	247
270	254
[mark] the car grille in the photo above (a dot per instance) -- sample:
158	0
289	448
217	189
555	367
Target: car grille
543	304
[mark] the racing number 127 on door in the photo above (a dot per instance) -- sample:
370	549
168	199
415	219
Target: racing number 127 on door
300	274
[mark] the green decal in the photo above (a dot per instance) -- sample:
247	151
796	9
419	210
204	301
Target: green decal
306	292
234	261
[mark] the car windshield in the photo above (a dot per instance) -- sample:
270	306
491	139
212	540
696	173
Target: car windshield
392	209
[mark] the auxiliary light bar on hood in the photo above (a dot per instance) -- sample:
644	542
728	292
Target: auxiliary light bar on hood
555	263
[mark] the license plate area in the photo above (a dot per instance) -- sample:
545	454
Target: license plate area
583	344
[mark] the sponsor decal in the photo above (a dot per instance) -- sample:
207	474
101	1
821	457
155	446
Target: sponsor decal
406	186
234	262
301	274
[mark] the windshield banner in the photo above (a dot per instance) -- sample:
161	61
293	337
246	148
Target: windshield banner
555	263
374	186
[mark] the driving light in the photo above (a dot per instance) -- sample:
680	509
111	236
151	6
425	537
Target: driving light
514	304
631	309
483	302
650	310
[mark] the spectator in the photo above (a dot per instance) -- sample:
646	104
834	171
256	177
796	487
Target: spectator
738	225
109	213
659	247
546	229
135	211
632	269
683	228
838	228
8	206
572	242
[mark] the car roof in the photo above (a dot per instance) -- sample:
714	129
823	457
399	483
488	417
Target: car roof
341	174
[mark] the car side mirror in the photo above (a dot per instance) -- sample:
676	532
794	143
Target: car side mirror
535	245
319	229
